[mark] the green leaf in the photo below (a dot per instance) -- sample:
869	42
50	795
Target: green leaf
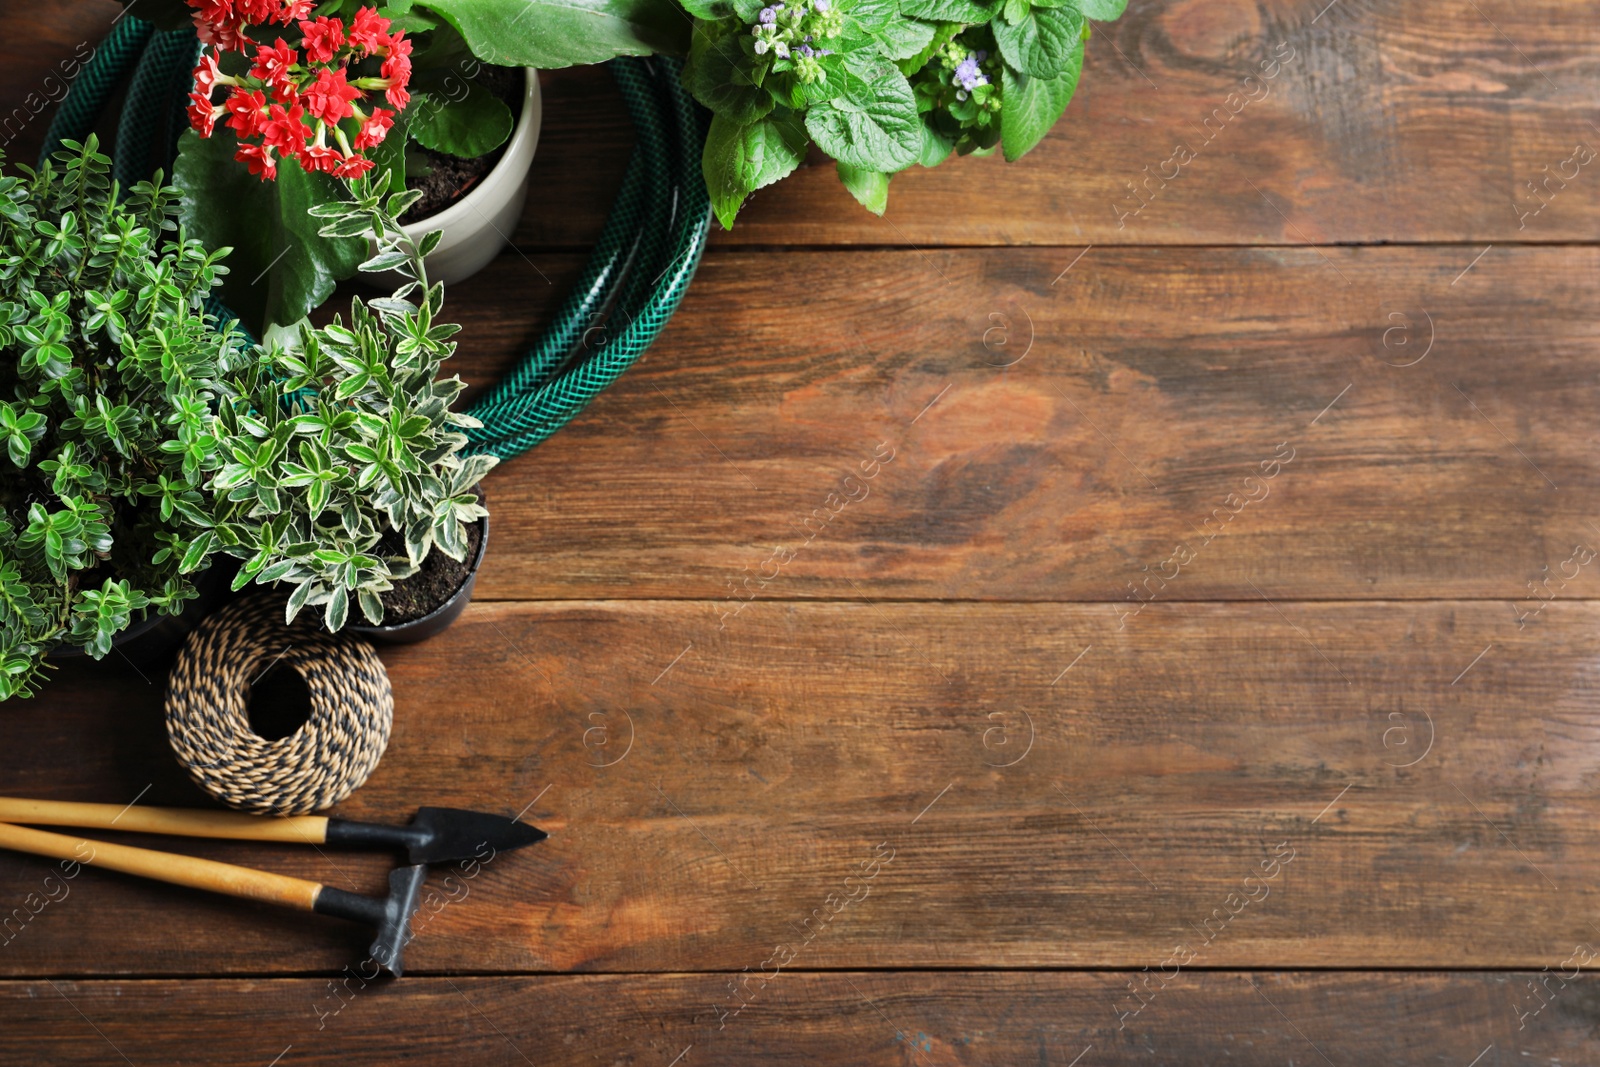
936	148
716	75
338	608
874	124
281	268
371	606
473	126
968	11
384	261
297	600
944	33
1029	107
1102	10
739	159
870	187
710	10
904	38
565	33
1043	43
875	16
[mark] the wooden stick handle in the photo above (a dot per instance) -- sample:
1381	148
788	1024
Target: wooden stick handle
183	822
166	867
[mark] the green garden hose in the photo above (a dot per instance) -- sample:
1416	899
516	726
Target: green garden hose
634	280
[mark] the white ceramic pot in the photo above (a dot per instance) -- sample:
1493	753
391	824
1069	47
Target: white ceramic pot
478	225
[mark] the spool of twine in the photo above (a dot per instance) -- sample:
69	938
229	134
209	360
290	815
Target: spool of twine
208	710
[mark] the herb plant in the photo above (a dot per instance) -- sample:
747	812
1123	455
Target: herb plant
342	465
879	85
107	374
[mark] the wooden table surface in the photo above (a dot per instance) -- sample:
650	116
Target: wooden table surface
1204	672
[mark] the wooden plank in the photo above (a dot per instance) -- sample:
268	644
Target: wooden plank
44	49
872	1018
1371	130
1147	394
910	785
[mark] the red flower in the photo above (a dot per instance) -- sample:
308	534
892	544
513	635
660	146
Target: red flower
322	39
374	129
207	75
315	157
285	130
397	69
257	12
225	34
329	97
213	10
247	112
259	160
202	114
369	31
295	10
353	167
400	43
273	65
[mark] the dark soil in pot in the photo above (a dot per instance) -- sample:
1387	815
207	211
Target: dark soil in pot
435	582
449	178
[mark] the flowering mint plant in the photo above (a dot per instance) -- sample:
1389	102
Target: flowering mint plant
304	101
879	85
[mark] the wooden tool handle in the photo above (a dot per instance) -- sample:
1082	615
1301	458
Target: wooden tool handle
166	867
299	829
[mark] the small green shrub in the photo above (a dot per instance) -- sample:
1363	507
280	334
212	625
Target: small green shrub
108	367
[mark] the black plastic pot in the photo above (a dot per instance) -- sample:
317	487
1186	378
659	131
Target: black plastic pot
439	619
154	640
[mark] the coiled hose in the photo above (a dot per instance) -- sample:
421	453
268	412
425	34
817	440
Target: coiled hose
634	280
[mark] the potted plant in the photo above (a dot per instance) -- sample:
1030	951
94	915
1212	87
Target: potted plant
106	383
305	94
877	85
343	474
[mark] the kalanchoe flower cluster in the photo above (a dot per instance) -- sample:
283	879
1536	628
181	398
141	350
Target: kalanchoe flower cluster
794	34
293	101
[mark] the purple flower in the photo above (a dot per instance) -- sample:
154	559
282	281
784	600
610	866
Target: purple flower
768	16
968	76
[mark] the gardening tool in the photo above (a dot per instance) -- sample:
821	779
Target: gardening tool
390	915
436	835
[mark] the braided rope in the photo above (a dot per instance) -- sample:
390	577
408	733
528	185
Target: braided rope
320	764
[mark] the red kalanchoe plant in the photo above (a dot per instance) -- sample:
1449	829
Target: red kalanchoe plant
297	97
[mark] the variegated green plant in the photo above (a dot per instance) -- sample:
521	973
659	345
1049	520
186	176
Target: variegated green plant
342	460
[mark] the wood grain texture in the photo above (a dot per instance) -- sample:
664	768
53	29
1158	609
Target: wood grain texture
1052	791
1384	121
872	1019
1441	419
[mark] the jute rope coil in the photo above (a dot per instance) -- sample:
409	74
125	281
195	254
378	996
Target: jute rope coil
320	764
